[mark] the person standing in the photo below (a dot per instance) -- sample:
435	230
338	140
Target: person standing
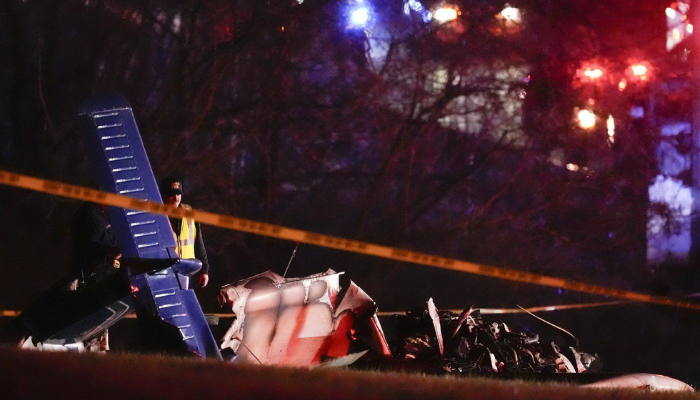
188	233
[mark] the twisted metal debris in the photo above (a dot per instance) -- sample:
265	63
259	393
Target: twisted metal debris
471	342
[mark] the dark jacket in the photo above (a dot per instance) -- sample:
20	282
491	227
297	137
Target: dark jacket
94	243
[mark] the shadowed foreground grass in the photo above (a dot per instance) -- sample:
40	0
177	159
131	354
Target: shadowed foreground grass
41	375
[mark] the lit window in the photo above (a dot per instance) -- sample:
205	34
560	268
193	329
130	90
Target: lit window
511	14
610	123
593	73
446	14
639	72
639	69
586	119
590	72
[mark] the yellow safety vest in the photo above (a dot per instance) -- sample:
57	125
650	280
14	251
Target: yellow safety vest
185	241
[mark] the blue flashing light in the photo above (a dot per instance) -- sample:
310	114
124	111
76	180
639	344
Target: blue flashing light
359	14
359	17
415	6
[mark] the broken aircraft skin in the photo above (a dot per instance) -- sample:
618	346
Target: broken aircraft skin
300	321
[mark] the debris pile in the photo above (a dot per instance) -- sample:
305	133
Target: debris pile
474	343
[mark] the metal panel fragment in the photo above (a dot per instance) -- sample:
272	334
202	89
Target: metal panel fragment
298	321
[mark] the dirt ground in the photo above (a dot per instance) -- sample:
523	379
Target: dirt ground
43	375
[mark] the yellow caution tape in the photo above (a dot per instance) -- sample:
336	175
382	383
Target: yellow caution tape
9	313
559	307
556	307
334	242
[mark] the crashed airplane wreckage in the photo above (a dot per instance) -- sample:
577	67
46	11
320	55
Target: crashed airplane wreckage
312	321
301	321
308	321
474	343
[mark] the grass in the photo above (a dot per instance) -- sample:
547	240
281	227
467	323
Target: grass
42	375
